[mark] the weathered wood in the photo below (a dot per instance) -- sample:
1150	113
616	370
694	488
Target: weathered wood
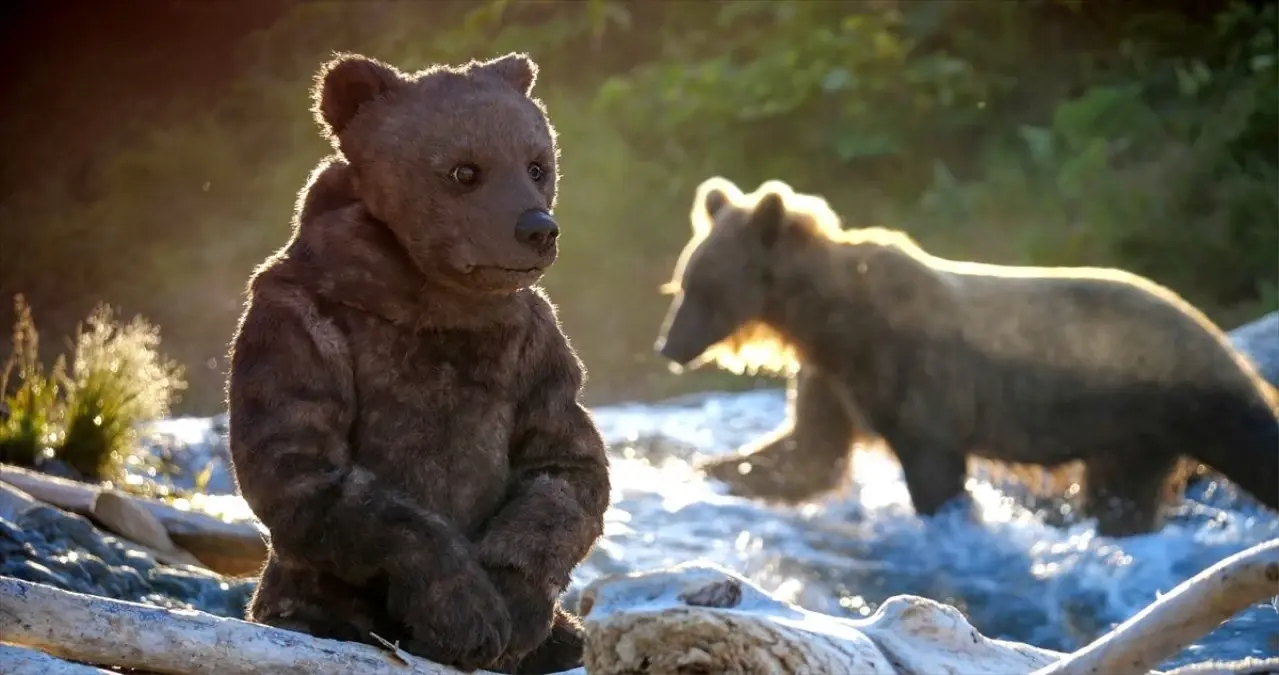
107	632
691	618
1191	610
126	517
60	492
695	617
232	548
705	619
14	502
22	661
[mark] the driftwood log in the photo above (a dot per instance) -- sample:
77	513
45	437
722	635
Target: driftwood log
15	502
230	548
23	661
1191	610
701	619
687	619
91	629
706	620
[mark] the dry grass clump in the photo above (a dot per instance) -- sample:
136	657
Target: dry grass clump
85	414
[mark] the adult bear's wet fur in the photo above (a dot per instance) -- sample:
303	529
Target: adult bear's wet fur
948	360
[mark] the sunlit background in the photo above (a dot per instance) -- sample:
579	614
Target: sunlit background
153	151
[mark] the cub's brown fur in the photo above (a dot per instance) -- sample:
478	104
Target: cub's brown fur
404	407
946	360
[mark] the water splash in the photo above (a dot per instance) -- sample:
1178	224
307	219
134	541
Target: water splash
1013	575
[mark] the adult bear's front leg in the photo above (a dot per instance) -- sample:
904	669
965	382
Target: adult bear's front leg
804	457
934	467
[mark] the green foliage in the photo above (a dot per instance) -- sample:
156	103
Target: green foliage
89	417
118	381
1037	132
32	411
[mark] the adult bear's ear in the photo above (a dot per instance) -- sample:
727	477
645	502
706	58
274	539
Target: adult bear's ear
713	195
715	200
517	70
768	220
347	82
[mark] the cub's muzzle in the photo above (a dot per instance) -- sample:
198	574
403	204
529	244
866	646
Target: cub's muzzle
537	230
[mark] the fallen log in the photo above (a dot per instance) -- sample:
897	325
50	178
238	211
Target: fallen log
23	661
15	502
688	619
91	629
696	618
231	548
134	522
1189	611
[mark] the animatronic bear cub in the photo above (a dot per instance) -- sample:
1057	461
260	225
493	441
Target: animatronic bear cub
404	407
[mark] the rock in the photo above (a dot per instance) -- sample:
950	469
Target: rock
50	546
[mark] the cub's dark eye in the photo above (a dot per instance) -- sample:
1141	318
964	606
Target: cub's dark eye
536	172
466	175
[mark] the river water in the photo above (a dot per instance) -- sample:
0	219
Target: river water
1014	576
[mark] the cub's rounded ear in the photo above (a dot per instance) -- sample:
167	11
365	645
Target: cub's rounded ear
769	218
517	70
347	82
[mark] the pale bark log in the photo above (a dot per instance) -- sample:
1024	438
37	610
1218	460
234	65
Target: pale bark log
126	517
715	621
1188	612
231	548
106	632
712	620
14	502
22	661
62	493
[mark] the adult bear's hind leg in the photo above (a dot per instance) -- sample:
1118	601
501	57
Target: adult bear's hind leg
806	456
1126	494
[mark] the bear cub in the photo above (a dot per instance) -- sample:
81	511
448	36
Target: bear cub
404	407
943	360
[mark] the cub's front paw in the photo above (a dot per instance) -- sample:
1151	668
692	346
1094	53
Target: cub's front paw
530	606
464	625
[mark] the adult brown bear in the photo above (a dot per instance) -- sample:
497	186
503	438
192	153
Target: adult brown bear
945	360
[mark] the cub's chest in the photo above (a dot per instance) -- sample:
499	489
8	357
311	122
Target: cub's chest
435	373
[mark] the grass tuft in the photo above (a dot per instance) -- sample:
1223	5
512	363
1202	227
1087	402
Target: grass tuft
31	416
87	417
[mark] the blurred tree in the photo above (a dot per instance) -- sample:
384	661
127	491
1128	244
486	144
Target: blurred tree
154	163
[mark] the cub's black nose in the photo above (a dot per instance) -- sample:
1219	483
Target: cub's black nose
536	229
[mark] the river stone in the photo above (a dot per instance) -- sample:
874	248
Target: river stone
65	550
